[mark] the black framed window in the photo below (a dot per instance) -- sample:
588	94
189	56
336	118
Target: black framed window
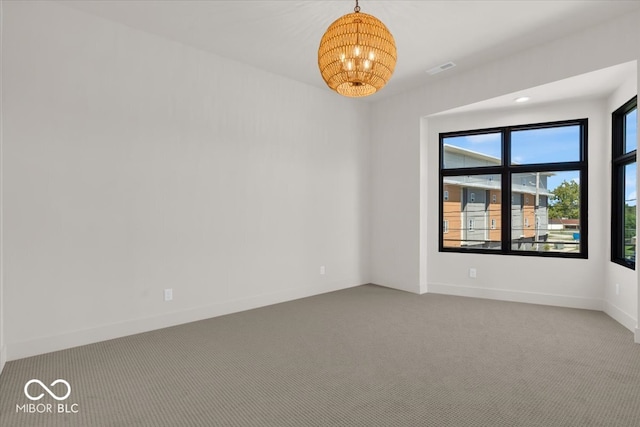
515	190
624	140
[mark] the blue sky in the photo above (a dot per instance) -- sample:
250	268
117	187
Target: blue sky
488	143
630	185
632	142
559	144
548	145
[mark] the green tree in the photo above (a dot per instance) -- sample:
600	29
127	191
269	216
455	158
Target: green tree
565	202
629	221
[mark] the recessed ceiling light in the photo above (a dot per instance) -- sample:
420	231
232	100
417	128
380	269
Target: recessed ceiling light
522	99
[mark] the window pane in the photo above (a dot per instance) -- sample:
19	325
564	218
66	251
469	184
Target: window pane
629	213
631	131
548	145
472	150
471	216
545	212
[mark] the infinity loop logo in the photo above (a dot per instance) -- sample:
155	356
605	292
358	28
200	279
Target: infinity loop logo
45	388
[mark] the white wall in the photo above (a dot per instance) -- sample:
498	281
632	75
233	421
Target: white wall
401	166
622	306
563	282
134	164
3	349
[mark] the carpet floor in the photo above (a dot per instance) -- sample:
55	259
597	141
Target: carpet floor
365	356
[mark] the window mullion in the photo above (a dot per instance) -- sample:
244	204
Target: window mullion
506	191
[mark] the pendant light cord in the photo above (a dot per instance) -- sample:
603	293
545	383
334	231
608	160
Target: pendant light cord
357	8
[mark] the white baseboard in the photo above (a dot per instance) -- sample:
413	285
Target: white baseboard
617	314
63	341
391	284
516	296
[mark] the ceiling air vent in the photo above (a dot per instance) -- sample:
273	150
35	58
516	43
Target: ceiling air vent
440	68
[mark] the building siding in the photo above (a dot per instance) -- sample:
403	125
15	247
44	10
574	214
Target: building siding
472	206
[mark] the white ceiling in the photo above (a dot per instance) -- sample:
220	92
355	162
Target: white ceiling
593	85
283	36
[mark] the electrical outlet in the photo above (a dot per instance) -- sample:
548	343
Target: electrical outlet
168	294
322	270
617	288
472	273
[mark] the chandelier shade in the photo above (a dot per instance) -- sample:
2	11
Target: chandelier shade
357	55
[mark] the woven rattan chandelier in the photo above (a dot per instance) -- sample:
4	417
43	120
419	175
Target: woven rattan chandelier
357	54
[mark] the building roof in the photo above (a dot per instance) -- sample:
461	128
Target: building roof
564	221
476	155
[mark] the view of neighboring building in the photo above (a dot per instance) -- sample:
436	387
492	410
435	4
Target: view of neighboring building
564	224
472	205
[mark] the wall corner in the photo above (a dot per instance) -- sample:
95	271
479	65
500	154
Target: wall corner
3	357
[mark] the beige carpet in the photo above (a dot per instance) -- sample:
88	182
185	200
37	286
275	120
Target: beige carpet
366	356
